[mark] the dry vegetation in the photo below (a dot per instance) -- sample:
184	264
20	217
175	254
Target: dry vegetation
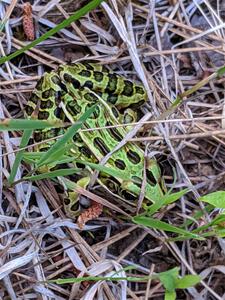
169	46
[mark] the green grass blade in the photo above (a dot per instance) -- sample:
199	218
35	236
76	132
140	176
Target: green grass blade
33	157
53	174
170	279
58	156
170	295
24	141
34	124
157	224
60	144
108	170
217	199
165	200
24	124
76	16
187	281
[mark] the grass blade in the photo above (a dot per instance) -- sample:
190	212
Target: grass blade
53	174
24	124
24	141
157	224
76	16
60	144
108	170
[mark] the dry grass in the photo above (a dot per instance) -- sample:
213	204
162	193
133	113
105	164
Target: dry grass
169	46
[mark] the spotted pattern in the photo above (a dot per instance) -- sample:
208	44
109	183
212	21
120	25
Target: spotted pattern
72	86
77	138
115	112
112	84
43	115
86	151
29	110
112	99
133	157
88	84
46	104
48	93
101	146
98	76
128	88
114	132
90	97
139	90
120	164
34	99
57	112
73	108
88	66
85	73
40	84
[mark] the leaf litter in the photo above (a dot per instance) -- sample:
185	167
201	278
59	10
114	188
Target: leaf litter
169	46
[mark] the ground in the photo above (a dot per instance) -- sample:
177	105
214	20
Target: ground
175	49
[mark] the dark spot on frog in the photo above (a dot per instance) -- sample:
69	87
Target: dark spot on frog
70	79
101	146
88	84
46	104
139	90
40	83
133	157
120	164
112	99
85	73
114	132
43	115
90	97
112	83
128	88
98	76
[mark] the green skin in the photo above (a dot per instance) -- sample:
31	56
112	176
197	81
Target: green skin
79	86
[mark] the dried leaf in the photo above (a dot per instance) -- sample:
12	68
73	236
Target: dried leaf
28	25
91	213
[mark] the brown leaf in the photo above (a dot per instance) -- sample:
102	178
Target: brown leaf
28	25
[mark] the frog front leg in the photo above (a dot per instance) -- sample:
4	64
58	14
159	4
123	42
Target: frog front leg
71	203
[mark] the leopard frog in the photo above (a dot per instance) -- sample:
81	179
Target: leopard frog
78	86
